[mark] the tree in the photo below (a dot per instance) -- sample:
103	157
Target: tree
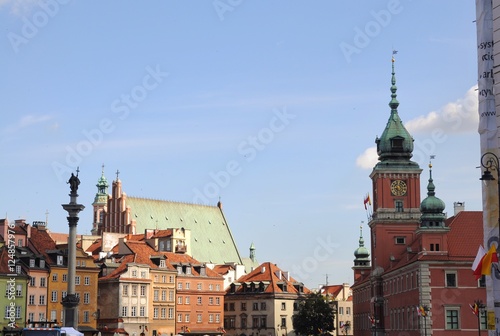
314	316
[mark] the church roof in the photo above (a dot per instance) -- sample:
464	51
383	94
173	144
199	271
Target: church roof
211	238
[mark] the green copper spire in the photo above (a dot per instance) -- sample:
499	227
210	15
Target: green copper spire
361	253
395	143
432	207
102	189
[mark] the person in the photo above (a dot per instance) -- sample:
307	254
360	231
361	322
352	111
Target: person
74	181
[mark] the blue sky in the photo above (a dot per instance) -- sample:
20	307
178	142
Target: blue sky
272	105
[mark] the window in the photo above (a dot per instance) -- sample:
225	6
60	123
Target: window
400	240
198	318
134	273
348	310
143	274
262	306
179	318
86	316
243	322
198	286
162	264
187	300
164	313
60	259
210	318
483	319
77	280
19	290
243	306
33	281
18	312
125	290
155	313
171	295
156	295
164	295
399	205
86	281
186	318
217	318
210	287
65	278
43	282
143	290
32	263
54	277
188	285
53	297
341	310
217	301
482	282
42	263
31	300
142	311
179	286
211	301
41	300
133	311
255	306
198	300
179	300
86	298
452	322
134	290
170	313
451	279
188	270
124	311
283	305
217	287
170	279
53	315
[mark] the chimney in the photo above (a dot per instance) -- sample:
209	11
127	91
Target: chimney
458	206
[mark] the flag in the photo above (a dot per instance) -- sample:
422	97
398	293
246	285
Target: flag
488	260
394	52
367	200
477	264
372	320
146	327
342	324
475	309
421	311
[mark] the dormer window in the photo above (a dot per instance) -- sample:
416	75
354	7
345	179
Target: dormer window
32	263
42	263
59	260
179	269
162	264
397	143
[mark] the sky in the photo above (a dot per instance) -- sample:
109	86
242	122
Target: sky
271	106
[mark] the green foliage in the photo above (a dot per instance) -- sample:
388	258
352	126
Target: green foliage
314	316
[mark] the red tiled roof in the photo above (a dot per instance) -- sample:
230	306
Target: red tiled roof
95	246
466	234
223	269
333	290
269	272
41	242
162	233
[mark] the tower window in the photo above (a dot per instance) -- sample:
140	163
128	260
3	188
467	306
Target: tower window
397	143
399	205
400	240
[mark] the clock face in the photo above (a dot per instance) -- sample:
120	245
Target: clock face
398	188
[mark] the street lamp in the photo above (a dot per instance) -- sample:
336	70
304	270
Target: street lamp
490	161
478	308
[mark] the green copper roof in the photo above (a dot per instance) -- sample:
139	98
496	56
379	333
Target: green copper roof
102	189
211	238
432	207
361	253
395	143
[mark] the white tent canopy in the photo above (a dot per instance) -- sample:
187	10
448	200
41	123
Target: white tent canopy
71	331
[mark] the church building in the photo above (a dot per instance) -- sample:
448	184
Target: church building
416	278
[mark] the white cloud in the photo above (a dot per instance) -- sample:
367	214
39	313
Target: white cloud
368	159
19	7
27	121
460	116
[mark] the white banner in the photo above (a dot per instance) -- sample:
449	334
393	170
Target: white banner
489	143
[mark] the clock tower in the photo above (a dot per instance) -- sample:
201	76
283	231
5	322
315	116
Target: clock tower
396	189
